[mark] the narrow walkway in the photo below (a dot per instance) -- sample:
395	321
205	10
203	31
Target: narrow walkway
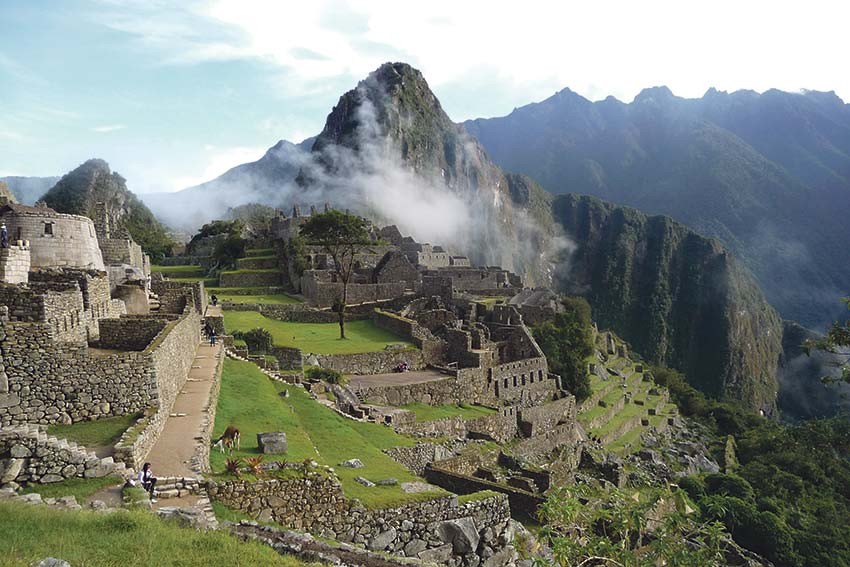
172	454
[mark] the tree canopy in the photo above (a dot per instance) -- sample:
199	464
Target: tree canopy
341	235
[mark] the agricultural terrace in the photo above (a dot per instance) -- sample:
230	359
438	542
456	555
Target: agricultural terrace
253	403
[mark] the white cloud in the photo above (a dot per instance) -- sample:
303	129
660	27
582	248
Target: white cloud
108	128
530	50
216	161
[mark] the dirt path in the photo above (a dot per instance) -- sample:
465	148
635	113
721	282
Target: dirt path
172	454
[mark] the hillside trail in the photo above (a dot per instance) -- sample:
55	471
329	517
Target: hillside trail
171	456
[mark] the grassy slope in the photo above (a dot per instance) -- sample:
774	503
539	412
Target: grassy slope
319	338
96	433
126	538
252	402
424	412
80	488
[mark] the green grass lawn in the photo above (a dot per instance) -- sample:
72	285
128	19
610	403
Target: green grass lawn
98	433
258	271
31	533
252	403
180	271
319	338
265	299
81	488
424	412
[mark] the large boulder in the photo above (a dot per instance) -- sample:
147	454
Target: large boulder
272	442
10	469
383	540
461	533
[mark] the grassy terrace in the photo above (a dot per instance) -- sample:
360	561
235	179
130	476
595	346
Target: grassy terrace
80	488
252	402
264	299
319	338
31	533
629	442
96	433
425	412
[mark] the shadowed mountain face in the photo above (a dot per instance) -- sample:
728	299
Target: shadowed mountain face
679	298
768	175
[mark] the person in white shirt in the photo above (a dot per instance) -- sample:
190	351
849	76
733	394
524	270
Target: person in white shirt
147	480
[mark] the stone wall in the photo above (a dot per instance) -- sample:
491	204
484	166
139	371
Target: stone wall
249	278
417	457
325	294
539	419
52	382
56	239
174	296
381	362
28	455
130	332
540	447
14	264
521	501
427	529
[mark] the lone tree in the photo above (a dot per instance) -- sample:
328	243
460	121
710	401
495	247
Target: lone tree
342	236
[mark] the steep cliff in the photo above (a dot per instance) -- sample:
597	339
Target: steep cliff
677	297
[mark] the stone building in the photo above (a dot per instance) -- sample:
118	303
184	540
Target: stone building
55	239
123	258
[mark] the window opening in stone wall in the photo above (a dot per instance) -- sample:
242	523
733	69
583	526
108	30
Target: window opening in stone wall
48	229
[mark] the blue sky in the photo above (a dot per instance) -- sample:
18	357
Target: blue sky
174	93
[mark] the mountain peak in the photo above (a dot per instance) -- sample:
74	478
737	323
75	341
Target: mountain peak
655	95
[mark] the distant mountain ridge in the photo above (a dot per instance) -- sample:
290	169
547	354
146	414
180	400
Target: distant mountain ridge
262	181
768	175
28	190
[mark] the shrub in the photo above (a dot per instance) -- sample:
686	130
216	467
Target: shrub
233	466
328	375
567	341
258	340
255	465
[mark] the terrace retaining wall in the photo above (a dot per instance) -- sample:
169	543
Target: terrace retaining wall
419	529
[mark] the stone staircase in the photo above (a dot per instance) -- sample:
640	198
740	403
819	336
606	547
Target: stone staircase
153	302
39	457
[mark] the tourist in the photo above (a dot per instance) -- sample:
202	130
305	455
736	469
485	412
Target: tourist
214	300
4	236
147	480
212	337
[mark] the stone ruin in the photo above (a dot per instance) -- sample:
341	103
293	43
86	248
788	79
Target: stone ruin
391	267
71	348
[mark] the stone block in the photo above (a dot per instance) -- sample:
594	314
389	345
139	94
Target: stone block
383	540
272	442
461	533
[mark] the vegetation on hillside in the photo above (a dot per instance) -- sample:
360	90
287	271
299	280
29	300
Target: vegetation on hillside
79	191
567	341
678	298
786	494
629	528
